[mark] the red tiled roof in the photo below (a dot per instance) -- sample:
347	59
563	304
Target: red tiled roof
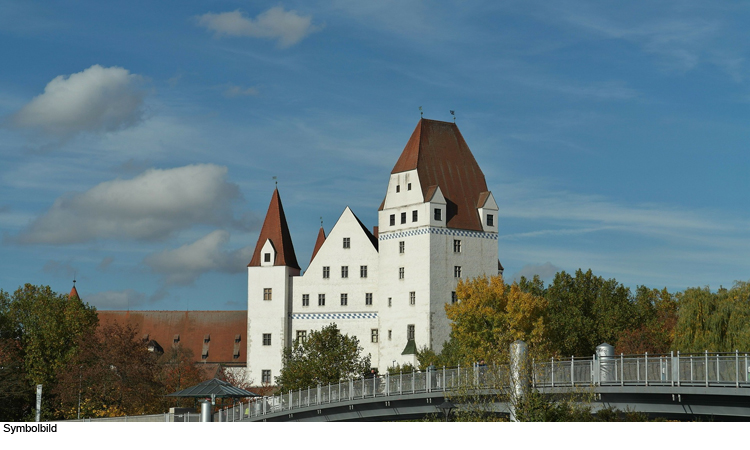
74	293
438	152
192	327
276	229
319	242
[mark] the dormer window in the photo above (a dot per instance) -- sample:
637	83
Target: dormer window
206	338
266	257
490	220
176	339
438	214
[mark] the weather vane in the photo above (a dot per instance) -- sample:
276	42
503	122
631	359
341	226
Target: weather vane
321	221
453	113
276	182
421	114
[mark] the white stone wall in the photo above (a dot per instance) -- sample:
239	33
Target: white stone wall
356	318
267	317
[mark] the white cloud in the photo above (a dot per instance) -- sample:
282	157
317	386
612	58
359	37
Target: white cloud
99	99
545	271
117	300
232	91
151	206
288	27
184	264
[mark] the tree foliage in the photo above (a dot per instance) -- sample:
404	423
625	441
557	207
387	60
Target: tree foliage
114	373
490	315
39	332
326	356
714	321
585	311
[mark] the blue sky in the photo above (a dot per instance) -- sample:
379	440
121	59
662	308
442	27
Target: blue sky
138	140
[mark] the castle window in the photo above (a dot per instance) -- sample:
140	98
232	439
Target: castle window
490	220
266	293
408	186
398	188
438	214
266	257
457	271
393	220
456	245
401	246
344	271
265	377
347	243
454	297
390	302
344	299
305	299
374	335
400	273
266	338
414	216
326	271
390	334
410	332
368	299
403	217
301	336
412	298
321	299
363	271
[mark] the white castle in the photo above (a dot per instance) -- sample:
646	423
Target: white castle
436	225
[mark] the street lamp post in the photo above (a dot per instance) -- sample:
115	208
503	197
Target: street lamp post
446	408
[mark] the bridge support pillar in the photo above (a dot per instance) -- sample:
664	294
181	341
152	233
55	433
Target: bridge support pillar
519	375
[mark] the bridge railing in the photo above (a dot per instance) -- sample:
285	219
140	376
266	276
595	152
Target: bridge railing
675	369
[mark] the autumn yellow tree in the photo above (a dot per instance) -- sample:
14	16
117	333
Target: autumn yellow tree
490	315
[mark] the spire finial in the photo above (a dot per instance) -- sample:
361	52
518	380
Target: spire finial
321	221
453	113
421	114
275	181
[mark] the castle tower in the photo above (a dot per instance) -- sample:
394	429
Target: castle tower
437	224
269	293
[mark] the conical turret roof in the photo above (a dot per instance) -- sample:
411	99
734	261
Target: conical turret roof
276	229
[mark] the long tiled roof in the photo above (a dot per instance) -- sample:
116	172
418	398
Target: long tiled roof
226	331
276	229
438	152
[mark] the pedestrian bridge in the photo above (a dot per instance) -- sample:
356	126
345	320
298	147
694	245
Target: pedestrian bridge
713	386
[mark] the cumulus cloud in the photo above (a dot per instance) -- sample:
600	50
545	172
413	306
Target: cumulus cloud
185	264
151	206
287	27
545	271
99	99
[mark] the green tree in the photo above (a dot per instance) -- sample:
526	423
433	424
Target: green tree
714	321
656	318
326	356
585	311
45	327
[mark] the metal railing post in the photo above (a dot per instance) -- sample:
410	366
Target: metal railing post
413	373
443	378
706	368
645	363
572	371
400	382
622	370
718	369
552	370
737	368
